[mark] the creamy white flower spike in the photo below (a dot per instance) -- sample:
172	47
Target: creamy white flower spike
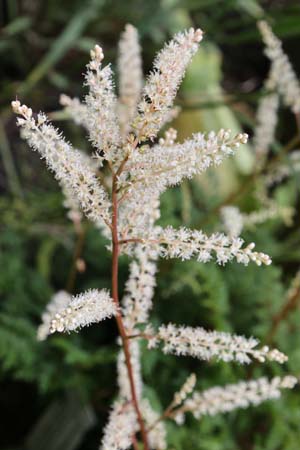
101	103
266	121
163	82
121	426
84	309
167	163
67	164
123	380
282	73
233	396
185	244
202	344
130	77
185	390
58	302
137	302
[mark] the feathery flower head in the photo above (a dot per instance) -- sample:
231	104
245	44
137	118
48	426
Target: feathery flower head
202	344
68	165
84	309
282	73
241	395
122	425
162	84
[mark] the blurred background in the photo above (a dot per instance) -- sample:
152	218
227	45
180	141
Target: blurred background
55	395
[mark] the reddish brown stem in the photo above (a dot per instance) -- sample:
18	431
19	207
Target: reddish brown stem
121	328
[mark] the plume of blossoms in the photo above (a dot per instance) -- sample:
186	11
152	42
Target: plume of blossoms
184	243
84	309
206	345
137	301
130	77
282	73
126	213
121	427
162	84
67	164
233	396
167	164
101	105
266	118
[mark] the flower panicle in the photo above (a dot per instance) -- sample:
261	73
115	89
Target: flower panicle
101	104
206	345
184	243
169	163
282	74
163	82
71	169
130	77
84	309
233	396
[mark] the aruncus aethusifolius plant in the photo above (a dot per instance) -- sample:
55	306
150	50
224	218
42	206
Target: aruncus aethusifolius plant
124	132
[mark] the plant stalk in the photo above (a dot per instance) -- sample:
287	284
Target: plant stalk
121	328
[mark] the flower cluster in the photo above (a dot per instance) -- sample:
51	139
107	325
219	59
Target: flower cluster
120	428
266	118
184	243
68	165
241	395
130	77
82	310
167	164
282	73
137	301
162	84
202	344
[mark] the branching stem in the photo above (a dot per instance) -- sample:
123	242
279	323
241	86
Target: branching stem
121	328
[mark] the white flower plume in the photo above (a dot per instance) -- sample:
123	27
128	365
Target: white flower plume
266	118
101	103
282	72
160	166
84	309
162	84
122	425
68	165
202	344
232	396
130	77
185	244
137	301
123	380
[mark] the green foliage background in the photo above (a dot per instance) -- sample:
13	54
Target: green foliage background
44	48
